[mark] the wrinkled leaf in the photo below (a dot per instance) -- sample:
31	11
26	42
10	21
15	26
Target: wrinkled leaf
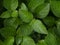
5	14
24	30
34	3
28	41
25	16
38	26
50	39
13	22
55	7
10	4
7	32
42	10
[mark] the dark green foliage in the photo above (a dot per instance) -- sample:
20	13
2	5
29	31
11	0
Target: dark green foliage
29	22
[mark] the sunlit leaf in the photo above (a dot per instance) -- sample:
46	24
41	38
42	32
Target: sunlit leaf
26	16
24	7
10	4
24	30
38	26
28	41
42	10
51	39
34	3
14	13
9	41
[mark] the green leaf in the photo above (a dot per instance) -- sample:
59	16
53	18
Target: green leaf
23	7
14	13
34	3
7	32
24	30
1	43
18	40
5	14
25	16
11	22
38	26
49	21
55	7
42	10
52	30
9	41
50	39
58	40
10	4
58	28
42	42
28	41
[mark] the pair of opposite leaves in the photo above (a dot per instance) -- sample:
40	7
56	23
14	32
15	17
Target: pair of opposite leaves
11	6
42	9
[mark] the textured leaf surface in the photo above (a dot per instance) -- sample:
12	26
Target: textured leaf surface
38	26
51	39
13	22
24	30
27	41
55	7
10	4
7	32
5	14
42	10
49	21
25	16
34	3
